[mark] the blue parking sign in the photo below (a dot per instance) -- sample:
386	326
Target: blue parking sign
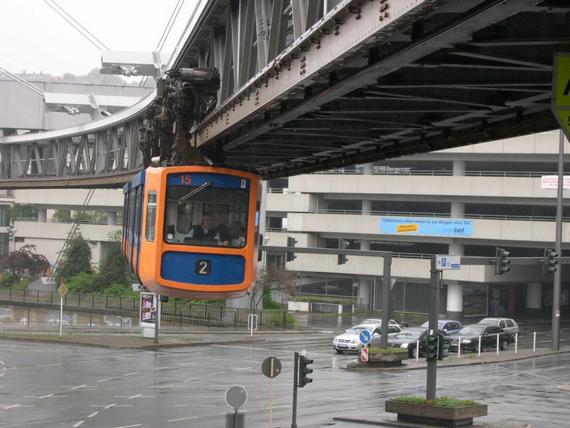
365	337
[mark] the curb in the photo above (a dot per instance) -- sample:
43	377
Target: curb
472	362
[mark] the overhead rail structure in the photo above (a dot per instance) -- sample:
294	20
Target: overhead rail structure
283	87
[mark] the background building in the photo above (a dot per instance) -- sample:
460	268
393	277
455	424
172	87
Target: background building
494	192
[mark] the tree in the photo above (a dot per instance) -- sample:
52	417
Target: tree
25	261
76	258
113	272
273	279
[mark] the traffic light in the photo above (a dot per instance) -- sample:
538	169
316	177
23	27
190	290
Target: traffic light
304	370
342	245
431	347
551	260
442	346
291	243
502	261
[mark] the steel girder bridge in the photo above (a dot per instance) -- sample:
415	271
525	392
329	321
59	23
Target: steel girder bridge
284	87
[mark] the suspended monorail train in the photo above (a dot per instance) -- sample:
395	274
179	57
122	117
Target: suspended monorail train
192	231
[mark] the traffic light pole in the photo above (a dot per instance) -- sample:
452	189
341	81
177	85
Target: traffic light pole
386	300
558	248
295	380
433	318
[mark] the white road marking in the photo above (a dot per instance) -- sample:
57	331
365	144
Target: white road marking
108	406
131	374
104	380
93	414
183	419
78	424
12	406
49	365
78	386
190	379
129	426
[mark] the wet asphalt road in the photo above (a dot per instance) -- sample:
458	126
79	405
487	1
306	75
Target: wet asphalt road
47	385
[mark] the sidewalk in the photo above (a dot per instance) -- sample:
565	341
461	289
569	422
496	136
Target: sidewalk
464	360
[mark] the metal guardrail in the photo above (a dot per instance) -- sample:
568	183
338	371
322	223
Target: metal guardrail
173	312
427	214
436	172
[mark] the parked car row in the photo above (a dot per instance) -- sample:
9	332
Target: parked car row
487	331
349	340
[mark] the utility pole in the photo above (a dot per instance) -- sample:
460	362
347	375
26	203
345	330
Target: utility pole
385	300
558	248
432	328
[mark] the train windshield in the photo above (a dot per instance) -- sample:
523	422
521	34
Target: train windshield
206	209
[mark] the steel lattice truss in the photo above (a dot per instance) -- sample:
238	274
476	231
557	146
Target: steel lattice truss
302	89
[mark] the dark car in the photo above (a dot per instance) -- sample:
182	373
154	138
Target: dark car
447	327
471	334
408	339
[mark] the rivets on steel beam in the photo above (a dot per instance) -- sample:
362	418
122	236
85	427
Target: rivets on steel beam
355	11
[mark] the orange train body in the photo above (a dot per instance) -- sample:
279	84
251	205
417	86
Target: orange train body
192	231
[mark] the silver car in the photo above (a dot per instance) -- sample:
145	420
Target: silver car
507	324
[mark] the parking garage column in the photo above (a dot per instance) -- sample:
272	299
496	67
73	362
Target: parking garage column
112	218
459	167
363	292
42	215
455	290
533	298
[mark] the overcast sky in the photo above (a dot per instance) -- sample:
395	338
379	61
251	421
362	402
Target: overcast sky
34	38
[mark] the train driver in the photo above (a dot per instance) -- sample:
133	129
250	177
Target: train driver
207	230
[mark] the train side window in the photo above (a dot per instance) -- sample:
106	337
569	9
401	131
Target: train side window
150	217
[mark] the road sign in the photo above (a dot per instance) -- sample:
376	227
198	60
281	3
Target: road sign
365	337
447	262
236	396
561	92
364	355
62	290
271	367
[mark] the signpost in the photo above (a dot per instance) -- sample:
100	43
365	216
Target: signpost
560	106
252	323
271	367
236	396
561	91
447	262
62	290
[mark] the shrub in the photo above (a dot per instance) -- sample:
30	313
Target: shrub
439	401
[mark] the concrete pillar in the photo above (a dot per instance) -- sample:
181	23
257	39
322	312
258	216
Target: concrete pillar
457	210
363	292
533	299
364	245
454	301
366	207
112	218
454	290
458	167
42	215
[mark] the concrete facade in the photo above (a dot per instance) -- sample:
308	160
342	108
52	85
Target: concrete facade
495	187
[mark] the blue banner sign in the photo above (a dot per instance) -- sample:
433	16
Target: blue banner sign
426	226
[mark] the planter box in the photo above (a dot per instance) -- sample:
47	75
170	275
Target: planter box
436	415
395	358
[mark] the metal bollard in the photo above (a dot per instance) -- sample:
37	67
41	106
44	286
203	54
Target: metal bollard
459	348
479	347
516	343
498	336
534	342
417	350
